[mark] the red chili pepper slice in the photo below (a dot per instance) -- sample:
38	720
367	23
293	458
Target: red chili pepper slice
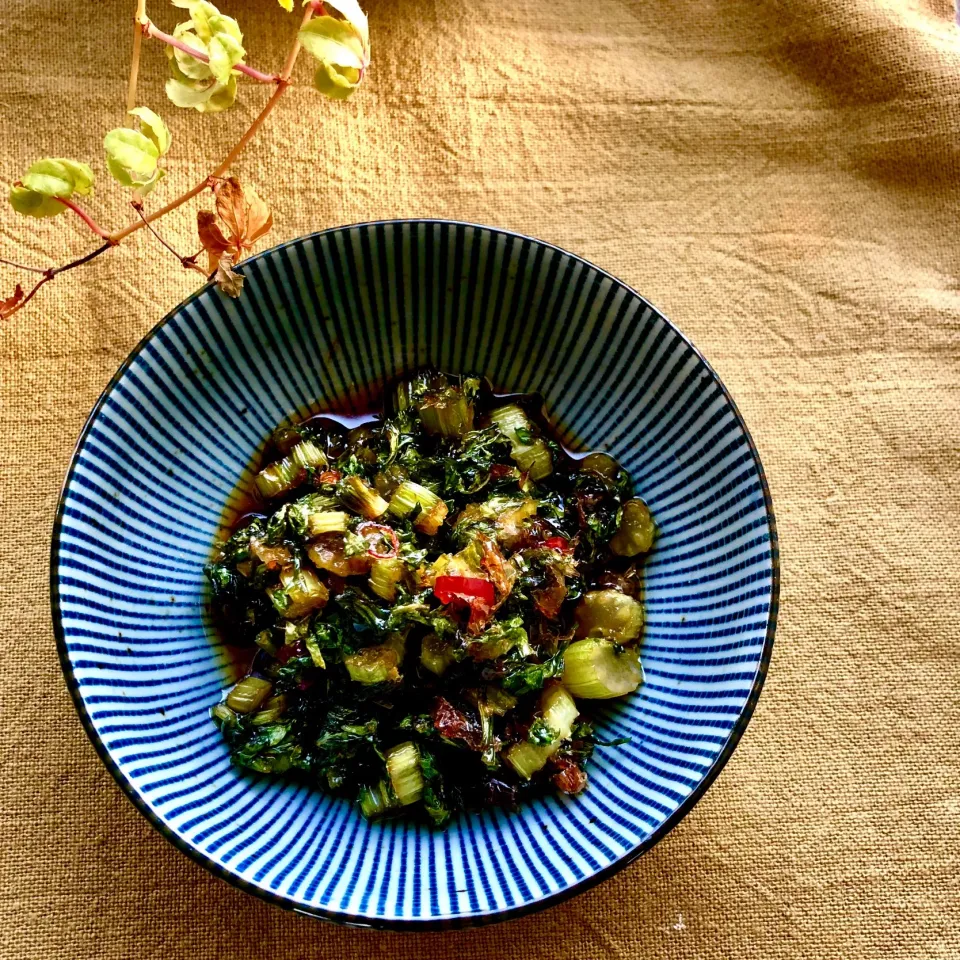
476	593
468	589
558	543
388	533
500	470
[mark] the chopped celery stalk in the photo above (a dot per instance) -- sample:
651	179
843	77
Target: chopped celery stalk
499	701
373	665
530	454
528	758
224	715
299	592
326	521
271	712
411	393
360	497
294	630
636	531
397	642
435	654
533	459
409	496
609	614
248	694
558	710
601	463
265	642
391	478
403	768
594	670
378	800
447	413
308	454
299	512
280	477
384	577
313	648
466	563
511	419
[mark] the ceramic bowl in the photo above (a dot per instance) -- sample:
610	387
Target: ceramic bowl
323	324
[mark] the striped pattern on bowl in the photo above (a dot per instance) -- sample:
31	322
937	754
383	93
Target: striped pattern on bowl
323	323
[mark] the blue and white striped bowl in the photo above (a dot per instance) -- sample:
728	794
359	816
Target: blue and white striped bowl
323	323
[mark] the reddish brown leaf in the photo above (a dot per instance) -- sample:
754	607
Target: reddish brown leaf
231	208
501	573
454	724
212	238
10	305
259	217
240	220
245	217
550	599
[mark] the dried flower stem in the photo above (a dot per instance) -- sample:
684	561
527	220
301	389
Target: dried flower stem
189	262
150	30
249	134
144	27
80	261
48	275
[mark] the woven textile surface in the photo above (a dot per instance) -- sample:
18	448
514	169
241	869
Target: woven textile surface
782	180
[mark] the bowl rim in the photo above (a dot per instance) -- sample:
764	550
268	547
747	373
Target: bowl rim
439	923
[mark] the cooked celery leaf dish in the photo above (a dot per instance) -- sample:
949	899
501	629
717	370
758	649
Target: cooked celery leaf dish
431	601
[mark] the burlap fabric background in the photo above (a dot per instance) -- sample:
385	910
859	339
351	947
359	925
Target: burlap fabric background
782	180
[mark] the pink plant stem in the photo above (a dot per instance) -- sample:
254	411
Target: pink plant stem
85	217
21	266
151	31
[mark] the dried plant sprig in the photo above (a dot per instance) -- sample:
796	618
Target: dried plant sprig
206	55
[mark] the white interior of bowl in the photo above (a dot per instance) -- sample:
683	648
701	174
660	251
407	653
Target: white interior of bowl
323	324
